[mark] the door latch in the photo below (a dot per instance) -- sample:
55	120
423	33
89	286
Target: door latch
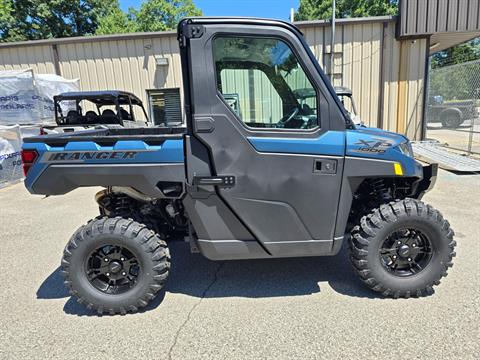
325	166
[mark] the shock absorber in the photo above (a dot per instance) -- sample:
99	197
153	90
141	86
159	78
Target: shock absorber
380	189
121	205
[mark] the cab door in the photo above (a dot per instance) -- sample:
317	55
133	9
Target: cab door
266	136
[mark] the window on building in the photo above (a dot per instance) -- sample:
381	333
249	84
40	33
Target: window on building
264	84
165	106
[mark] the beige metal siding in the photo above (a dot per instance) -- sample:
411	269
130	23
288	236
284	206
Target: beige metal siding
357	59
39	58
423	17
122	64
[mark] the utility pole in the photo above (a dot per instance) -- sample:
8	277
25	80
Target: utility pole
292	15
332	43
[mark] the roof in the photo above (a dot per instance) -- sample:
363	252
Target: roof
99	97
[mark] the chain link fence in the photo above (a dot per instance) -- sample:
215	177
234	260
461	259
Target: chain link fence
453	106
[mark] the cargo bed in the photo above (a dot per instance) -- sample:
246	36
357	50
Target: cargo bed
141	158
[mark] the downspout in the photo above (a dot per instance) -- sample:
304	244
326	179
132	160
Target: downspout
332	43
381	96
56	60
426	80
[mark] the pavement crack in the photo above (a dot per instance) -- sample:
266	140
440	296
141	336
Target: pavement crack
187	319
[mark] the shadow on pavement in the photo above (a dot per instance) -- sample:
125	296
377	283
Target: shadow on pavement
192	274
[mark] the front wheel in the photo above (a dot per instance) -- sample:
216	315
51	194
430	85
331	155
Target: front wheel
402	249
115	265
451	121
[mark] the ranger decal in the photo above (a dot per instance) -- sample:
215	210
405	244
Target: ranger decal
90	155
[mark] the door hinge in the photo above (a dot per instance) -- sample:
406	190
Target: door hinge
189	31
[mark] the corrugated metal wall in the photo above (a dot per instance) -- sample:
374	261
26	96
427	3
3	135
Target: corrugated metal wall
367	58
386	75
39	58
357	58
421	17
123	64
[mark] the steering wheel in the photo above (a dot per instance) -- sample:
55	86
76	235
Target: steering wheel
284	120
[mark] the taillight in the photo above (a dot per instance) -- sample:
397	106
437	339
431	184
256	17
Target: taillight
28	159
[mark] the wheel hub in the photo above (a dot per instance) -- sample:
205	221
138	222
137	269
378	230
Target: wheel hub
112	269
115	267
405	252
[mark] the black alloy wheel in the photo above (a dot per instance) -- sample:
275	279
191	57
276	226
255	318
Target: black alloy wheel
115	265
112	269
406	252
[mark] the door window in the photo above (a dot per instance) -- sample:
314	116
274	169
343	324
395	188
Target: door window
264	84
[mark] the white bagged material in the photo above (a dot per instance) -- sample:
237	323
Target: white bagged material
17	98
10	158
49	85
27	98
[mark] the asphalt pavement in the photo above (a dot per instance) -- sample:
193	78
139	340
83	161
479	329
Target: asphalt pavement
310	308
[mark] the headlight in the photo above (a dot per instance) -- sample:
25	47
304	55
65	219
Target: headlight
406	148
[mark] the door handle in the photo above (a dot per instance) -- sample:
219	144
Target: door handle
223	181
325	166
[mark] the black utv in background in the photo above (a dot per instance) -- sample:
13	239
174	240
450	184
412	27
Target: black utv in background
86	109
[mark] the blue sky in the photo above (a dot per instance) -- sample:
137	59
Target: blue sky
275	9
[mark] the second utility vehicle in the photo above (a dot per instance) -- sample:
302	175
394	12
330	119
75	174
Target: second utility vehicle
281	178
77	111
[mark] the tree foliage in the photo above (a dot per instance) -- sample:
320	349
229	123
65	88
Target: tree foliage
40	19
153	15
458	54
322	9
116	22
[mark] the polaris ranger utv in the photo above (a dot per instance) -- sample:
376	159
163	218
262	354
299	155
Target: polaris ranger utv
278	179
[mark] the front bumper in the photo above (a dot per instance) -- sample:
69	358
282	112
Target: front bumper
428	180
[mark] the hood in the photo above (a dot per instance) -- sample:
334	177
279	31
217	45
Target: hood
379	132
372	142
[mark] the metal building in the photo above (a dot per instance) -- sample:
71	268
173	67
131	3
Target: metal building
384	60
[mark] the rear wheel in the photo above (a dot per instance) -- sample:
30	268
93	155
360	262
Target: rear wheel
115	265
402	249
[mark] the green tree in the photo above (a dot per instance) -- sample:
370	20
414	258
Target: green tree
116	22
40	19
153	15
160	15
322	9
458	54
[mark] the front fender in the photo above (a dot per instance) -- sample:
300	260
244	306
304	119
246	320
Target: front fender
427	182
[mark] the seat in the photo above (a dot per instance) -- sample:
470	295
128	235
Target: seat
72	117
